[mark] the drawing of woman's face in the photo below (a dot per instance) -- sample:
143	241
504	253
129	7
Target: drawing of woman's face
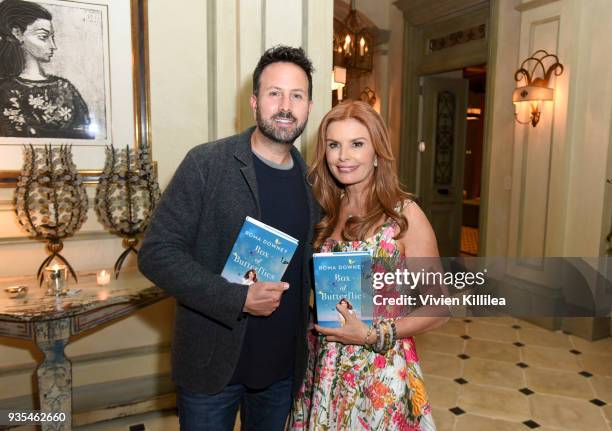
37	40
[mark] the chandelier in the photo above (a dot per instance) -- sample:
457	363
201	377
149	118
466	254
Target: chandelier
352	43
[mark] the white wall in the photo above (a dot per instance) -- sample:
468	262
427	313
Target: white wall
589	128
201	63
499	129
395	73
557	170
386	76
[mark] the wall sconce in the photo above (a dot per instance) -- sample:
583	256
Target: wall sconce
537	89
338	80
369	96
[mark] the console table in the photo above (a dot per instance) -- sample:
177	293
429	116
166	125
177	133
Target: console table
49	322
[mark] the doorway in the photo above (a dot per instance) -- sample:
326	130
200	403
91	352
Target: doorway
451	125
443	165
472	172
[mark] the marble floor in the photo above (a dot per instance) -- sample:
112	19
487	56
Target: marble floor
506	374
496	374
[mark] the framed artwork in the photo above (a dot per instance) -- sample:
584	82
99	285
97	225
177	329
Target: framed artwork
72	72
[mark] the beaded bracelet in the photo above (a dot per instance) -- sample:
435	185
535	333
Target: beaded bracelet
387	337
380	342
393	333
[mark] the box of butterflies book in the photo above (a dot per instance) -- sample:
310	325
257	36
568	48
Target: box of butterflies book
342	276
260	253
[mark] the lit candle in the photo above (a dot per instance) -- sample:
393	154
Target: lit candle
103	278
361	46
56	280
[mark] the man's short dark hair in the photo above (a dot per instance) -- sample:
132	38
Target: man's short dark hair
287	54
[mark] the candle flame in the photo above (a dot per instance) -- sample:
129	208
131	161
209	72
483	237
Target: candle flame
103	277
347	43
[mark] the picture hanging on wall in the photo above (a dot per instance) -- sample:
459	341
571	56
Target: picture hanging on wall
72	73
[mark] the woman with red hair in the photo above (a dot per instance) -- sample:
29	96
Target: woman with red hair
360	376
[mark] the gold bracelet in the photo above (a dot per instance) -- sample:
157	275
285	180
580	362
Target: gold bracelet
365	342
387	343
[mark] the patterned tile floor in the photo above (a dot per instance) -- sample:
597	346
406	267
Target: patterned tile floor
499	374
506	374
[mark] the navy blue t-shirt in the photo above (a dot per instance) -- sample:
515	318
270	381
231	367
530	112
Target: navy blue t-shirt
268	350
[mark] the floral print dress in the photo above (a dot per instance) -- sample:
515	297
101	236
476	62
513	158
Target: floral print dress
348	387
51	108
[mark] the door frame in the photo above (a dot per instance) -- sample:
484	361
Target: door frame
417	62
444	210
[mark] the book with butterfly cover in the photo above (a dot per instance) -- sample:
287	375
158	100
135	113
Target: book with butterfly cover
260	253
342	276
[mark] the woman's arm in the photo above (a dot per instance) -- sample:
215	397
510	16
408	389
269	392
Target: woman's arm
419	241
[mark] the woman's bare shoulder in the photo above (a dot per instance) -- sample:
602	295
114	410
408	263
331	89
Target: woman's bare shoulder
419	239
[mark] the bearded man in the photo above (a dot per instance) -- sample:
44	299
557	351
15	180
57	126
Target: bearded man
237	345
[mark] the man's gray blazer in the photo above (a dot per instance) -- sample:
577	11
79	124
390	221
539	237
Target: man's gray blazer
185	248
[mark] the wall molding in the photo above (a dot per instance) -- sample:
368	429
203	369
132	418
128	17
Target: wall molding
18	236
420	14
79	236
532	154
111	400
533	4
8	205
211	42
91	358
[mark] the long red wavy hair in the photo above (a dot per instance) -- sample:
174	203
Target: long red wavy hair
385	192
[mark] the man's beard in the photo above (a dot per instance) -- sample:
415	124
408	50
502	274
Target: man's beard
277	134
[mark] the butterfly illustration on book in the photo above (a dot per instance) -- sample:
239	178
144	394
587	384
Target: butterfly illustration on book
284	261
351	262
277	241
